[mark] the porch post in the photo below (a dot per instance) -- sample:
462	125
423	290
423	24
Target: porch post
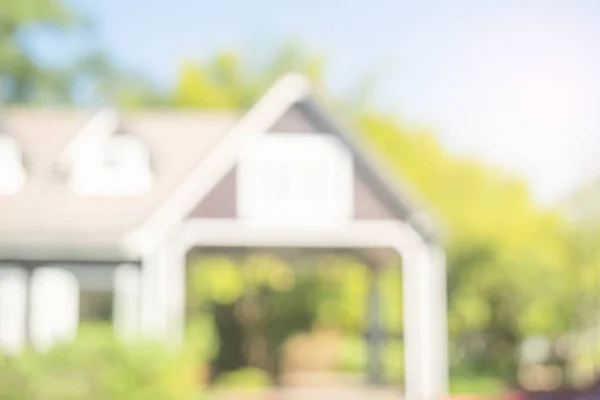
425	332
374	341
440	329
149	295
54	307
163	294
127	301
176	294
13	309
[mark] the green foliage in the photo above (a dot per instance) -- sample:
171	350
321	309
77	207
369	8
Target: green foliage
224	279
20	75
228	81
391	298
477	385
312	291
96	366
343	305
225	82
244	379
353	357
24	79
509	262
202	340
216	279
353	354
259	300
393	361
105	83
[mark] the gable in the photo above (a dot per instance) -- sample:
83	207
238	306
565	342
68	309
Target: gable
221	201
284	103
296	120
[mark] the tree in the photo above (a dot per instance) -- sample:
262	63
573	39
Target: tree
245	292
95	366
108	84
22	78
227	81
509	263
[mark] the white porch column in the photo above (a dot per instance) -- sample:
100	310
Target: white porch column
13	309
163	294
425	332
54	310
440	330
127	301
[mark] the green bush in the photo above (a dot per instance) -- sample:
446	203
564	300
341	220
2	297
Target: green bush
353	356
244	379
476	385
97	367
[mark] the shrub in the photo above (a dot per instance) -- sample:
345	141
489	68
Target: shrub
244	379
97	367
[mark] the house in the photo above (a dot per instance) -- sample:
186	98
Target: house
92	202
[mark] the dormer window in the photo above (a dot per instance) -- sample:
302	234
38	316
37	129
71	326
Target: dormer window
12	171
119	167
105	161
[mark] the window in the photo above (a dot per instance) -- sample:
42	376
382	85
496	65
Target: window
295	179
12	172
118	167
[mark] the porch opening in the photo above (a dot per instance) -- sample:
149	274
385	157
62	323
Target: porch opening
296	316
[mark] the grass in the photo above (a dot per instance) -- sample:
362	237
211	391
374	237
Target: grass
476	385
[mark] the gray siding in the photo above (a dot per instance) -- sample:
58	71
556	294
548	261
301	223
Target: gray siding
221	202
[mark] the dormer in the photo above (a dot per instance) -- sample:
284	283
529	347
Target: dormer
107	160
12	171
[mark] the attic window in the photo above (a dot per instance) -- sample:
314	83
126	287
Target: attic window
295	179
12	171
118	166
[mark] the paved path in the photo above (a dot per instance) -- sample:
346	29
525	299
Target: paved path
315	393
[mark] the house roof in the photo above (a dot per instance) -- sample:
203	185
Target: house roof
404	204
191	152
49	218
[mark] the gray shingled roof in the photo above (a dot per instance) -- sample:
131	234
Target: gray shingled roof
48	220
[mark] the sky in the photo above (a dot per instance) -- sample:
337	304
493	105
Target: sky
515	82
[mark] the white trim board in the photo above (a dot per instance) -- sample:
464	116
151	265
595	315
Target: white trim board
353	234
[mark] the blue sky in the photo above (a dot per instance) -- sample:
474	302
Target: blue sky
515	83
